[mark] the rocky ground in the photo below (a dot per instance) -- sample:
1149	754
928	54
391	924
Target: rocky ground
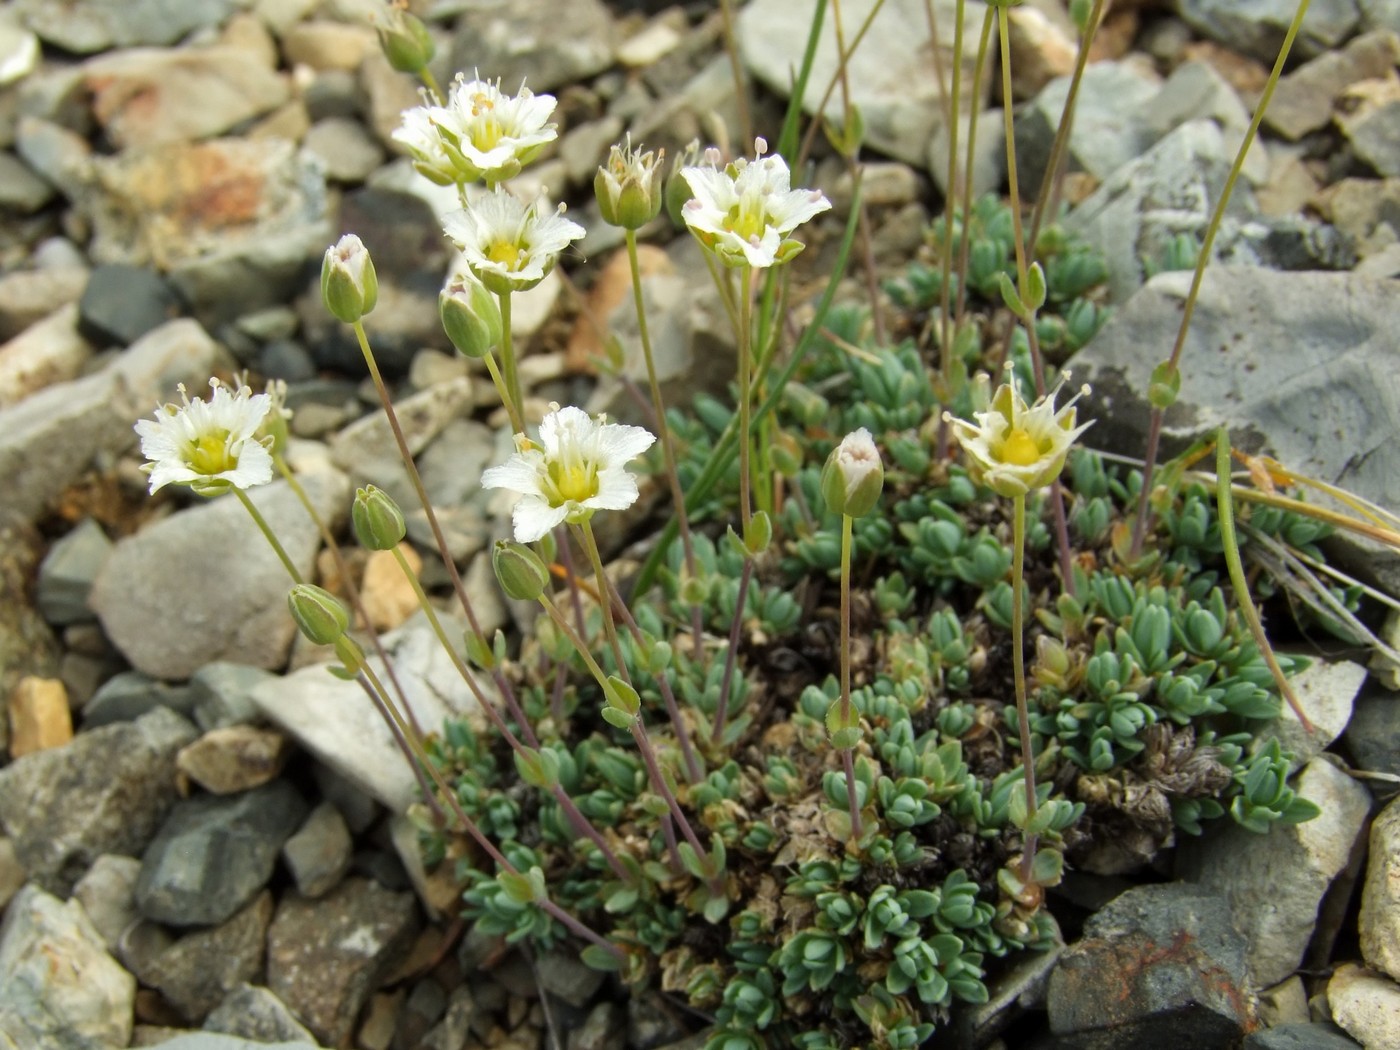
203	841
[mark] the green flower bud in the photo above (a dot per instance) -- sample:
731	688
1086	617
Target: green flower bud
628	187
677	189
522	572
471	316
853	475
318	613
406	42
349	287
378	522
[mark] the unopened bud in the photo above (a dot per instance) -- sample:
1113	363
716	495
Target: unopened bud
521	572
471	316
349	287
406	42
318	613
378	522
853	475
628	187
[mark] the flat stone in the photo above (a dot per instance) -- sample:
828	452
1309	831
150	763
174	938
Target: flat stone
107	893
67	572
1320	338
1197	91
1305	99
345	148
58	985
1372	738
86	26
889	73
46	353
221	694
201	968
1257	27
234	758
122	303
1364	210
325	45
214	1041
1326	690
318	855
61	157
49	439
1380	894
170	632
1300	1036
29	296
19	51
989	164
1159	967
254	1013
325	956
1366	1005
148	96
552	45
1042	48
105	792
336	722
39	716
565	976
128	695
1275	883
1371	127
386	593
214	854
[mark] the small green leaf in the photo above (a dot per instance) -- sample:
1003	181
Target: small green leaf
1164	386
1009	295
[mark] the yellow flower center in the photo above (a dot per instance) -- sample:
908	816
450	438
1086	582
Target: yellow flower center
507	253
746	223
486	132
210	454
576	482
1019	449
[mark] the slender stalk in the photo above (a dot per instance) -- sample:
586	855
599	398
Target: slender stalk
945	292
590	545
517	423
1018	671
731	47
512	377
269	535
732	652
842	56
847	759
1230	541
745	378
1154	427
668	450
974	112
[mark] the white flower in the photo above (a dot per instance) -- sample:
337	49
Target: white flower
482	133
211	445
743	213
508	245
579	470
854	475
1015	448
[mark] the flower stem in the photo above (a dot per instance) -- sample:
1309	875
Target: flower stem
847	759
732	652
590	544
965	245
1018	670
745	334
268	534
503	392
512	378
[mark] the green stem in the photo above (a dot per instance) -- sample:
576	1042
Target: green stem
974	111
731	653
268	534
1018	671
1230	541
503	392
745	378
1154	427
1013	184
590	545
512	378
950	195
847	758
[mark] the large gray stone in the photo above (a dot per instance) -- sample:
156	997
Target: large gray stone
215	853
891	73
200	969
1304	99
215	1041
548	44
107	791
253	1012
1275	883
88	26
161	607
67	572
1257	27
59	989
1299	365
51	437
1380	894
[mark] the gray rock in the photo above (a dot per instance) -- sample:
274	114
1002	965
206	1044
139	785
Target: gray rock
58	986
200	969
59	156
46	353
356	808
19	51
87	26
1304	99
222	694
252	1012
325	956
1197	91
67	572
1108	127
50	438
1159	967
1373	131
106	791
1275	883
214	1041
232	222
29	296
1380	14
889	73
1372	737
336	722
1380	896
1320	339
1326	691
1299	1037
21	190
122	303
214	853
287	360
651	1022
27	643
12	874
128	695
1257	27
107	893
318	855
989	167
548	44
566	977
146	97
455	1027
1364	210
345	149
602	1029
169	631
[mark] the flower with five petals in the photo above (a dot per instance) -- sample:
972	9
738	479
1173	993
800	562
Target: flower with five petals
508	245
211	446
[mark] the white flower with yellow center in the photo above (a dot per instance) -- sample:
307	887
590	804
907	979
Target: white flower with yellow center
1014	448
482	132
744	212
577	468
508	245
212	445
